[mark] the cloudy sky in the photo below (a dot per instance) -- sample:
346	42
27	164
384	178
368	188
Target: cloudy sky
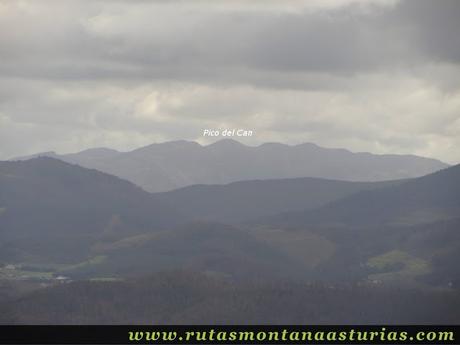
380	76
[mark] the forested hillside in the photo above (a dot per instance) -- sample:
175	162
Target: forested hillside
194	298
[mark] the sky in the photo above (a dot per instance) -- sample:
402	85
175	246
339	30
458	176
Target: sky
379	76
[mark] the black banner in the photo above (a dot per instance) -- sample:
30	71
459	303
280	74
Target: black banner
265	334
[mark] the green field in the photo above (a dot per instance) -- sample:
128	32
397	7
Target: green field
397	265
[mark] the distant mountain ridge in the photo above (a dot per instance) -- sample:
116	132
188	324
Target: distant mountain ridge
432	197
171	165
250	200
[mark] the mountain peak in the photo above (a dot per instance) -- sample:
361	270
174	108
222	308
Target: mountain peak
99	150
226	143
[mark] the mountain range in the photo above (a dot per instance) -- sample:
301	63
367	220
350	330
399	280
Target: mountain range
60	218
171	165
263	250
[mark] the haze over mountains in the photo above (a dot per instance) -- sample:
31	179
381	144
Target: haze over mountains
171	165
94	224
428	198
250	200
216	230
53	211
62	219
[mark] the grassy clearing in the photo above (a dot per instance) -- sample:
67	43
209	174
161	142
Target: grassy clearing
20	274
409	267
44	271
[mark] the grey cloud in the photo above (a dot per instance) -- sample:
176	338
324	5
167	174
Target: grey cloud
434	26
144	41
381	77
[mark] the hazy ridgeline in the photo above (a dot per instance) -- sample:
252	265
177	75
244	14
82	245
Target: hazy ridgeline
79	245
166	166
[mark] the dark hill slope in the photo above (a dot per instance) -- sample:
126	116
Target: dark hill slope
44	199
248	200
425	199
